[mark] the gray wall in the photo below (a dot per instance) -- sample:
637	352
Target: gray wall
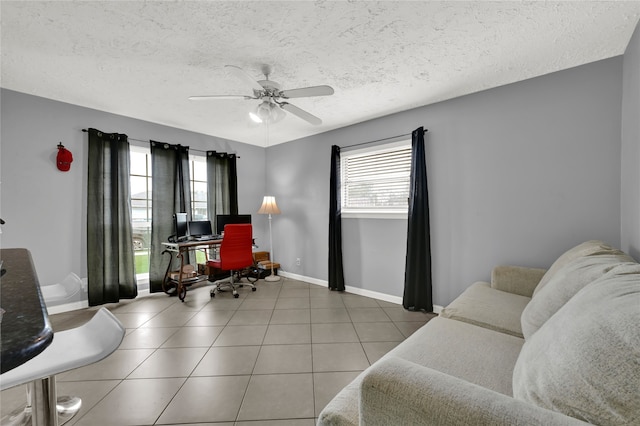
517	175
45	209
630	174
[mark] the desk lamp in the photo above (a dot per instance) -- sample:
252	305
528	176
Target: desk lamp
270	207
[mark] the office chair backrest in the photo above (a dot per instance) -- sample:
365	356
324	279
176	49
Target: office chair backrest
236	250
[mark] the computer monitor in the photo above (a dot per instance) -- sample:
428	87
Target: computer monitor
226	219
180	226
198	228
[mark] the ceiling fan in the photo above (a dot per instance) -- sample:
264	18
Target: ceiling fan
273	98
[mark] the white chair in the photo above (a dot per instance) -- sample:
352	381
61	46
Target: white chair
62	292
74	348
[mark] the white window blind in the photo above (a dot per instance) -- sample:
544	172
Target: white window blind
376	180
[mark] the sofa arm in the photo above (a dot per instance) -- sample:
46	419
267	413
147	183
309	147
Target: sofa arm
399	392
516	279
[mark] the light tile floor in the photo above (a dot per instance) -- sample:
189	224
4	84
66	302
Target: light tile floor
275	356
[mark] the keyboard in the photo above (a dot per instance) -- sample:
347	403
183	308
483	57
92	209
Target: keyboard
207	237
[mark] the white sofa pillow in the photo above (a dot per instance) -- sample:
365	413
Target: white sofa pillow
585	360
564	284
584	249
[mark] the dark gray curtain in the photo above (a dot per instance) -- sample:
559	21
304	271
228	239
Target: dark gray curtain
336	273
222	185
417	274
170	194
110	258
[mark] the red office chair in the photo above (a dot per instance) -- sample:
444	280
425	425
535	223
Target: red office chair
235	255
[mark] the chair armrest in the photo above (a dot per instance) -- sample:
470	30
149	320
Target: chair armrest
516	279
396	391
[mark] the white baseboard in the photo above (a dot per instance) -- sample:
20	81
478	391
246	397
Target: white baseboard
354	290
303	278
74	306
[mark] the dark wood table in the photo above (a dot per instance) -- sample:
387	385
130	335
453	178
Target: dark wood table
25	330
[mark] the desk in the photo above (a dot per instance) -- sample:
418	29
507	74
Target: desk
171	286
25	327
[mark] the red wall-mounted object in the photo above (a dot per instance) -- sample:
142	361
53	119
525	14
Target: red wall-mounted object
64	159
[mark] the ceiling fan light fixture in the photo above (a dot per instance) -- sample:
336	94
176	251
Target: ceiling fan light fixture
254	117
267	112
279	114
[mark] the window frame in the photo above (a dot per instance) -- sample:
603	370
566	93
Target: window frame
143	277
372	213
201	159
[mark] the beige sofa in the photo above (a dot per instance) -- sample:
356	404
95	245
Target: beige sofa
533	347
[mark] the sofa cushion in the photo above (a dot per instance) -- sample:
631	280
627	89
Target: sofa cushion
471	353
584	249
564	284
398	392
486	307
585	360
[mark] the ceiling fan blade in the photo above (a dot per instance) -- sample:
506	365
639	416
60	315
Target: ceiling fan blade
242	75
209	97
307	91
300	113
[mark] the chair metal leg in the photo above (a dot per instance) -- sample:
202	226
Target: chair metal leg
43	408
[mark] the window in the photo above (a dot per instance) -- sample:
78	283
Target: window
140	181
375	181
198	184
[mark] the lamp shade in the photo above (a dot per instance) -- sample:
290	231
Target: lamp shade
269	205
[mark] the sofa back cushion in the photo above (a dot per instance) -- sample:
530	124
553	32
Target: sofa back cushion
585	360
565	283
584	249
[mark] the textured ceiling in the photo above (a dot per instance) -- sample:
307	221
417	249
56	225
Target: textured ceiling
144	59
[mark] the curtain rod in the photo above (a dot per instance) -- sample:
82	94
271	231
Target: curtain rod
380	140
148	141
